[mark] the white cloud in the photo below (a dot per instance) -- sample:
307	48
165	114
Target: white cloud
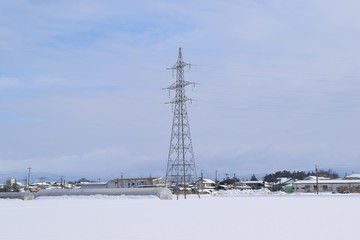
279	82
8	82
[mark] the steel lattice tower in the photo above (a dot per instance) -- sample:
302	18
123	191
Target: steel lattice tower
181	162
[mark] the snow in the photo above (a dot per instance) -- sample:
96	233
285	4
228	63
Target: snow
331	181
354	175
209	181
254	215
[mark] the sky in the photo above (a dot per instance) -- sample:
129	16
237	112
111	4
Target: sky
81	86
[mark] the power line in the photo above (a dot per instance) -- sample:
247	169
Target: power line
281	90
284	110
212	68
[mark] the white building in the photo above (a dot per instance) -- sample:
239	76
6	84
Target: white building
10	181
40	185
354	176
314	178
93	185
138	182
281	183
206	185
325	185
241	186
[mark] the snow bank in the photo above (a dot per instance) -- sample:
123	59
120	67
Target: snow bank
260	217
95	197
162	193
235	192
17	195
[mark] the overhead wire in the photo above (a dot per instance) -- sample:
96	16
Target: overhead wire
284	110
312	74
292	97
279	75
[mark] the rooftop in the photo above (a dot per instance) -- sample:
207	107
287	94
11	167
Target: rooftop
328	181
354	175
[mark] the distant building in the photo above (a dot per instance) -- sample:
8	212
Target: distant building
354	176
241	186
10	181
254	184
281	183
325	185
40	185
11	185
61	185
206	184
93	185
138	182
314	178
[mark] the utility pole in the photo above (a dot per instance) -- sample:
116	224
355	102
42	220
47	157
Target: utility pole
317	179
61	182
28	179
42	180
202	181
181	161
122	180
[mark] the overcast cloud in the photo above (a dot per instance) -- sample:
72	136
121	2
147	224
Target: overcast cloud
81	85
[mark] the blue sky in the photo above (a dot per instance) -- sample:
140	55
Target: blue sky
81	85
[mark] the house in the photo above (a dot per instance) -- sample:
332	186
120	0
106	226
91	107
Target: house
354	176
40	185
326	185
93	185
314	178
281	183
205	184
63	184
222	187
10	181
255	184
11	185
138	182
241	186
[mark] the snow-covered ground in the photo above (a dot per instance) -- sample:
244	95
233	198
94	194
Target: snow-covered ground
246	216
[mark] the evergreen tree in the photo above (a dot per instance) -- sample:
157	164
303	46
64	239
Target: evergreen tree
299	175
253	178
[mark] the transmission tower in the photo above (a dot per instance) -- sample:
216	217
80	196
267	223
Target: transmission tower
181	162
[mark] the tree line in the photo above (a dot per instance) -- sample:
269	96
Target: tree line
299	175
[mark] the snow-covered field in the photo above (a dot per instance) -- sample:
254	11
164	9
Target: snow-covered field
247	217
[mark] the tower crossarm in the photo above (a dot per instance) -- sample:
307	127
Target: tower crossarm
179	65
179	100
179	85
